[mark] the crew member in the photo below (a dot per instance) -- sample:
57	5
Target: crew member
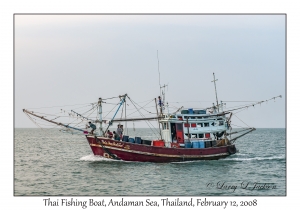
116	135
92	126
109	134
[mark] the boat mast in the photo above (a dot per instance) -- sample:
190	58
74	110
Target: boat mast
121	103
216	90
158	118
100	116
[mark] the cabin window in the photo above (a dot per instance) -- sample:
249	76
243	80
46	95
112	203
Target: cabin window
193	117
221	122
200	124
206	124
193	125
194	136
187	125
199	117
201	135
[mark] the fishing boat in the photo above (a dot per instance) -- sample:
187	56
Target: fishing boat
187	134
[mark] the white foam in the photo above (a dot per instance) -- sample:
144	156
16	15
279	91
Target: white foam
93	158
258	158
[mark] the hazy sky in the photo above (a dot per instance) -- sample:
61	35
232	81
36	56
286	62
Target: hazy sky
75	59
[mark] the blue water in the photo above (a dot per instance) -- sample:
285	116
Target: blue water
49	162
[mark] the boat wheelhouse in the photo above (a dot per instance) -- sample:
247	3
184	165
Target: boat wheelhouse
192	126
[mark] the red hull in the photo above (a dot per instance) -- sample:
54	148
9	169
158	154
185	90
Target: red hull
144	153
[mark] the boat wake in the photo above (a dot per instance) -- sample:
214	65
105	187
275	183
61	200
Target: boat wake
95	158
257	158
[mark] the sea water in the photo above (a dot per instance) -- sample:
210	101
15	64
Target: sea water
48	162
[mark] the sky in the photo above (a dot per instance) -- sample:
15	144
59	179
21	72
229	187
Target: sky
75	59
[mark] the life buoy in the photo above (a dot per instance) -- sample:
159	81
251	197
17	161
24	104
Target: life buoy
231	150
106	155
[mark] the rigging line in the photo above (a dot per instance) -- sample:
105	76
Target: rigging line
130	109
39	124
41	113
239	106
110	98
240	111
56	118
58	106
83	112
241	120
125	119
137	102
110	111
91	104
54	127
144	106
112	103
237	125
188	101
81	119
260	102
138	111
141	107
175	107
78	108
144	101
240	101
33	121
143	116
93	110
48	126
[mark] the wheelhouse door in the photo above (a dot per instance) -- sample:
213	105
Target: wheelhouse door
179	133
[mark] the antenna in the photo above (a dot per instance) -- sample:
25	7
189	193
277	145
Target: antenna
161	88
158	69
216	90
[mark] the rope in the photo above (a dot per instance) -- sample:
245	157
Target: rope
60	106
143	116
111	110
260	102
33	121
137	110
110	98
242	121
237	125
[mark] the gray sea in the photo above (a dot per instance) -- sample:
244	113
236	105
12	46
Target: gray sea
48	162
